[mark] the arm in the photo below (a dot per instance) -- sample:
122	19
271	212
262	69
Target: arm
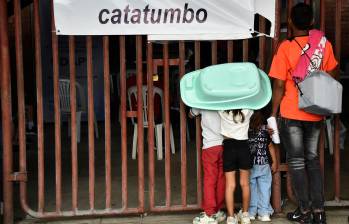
278	93
274	166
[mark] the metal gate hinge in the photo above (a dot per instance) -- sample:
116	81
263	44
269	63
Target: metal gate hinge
19	177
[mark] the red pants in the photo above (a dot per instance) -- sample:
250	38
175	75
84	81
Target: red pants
214	179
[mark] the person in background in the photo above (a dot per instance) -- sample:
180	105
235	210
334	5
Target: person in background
212	162
264	163
236	157
300	130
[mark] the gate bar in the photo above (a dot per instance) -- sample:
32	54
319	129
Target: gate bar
322	15
322	133
21	98
81	214
74	149
151	126
276	183
336	157
214	52
140	131
107	122
262	42
289	189
245	50
167	125
6	113
91	137
57	114
230	51
183	122
198	134
40	121
289	7
123	122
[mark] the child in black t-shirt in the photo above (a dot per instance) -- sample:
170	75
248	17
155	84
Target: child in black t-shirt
264	163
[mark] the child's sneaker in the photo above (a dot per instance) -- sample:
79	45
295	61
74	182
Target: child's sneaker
204	219
232	220
244	217
220	216
264	218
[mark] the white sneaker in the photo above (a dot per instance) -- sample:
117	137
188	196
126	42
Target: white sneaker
204	219
244	217
252	217
264	218
220	216
232	220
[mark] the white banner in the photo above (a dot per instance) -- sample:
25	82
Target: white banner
174	19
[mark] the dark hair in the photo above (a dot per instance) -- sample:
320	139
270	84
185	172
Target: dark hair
302	16
259	118
236	113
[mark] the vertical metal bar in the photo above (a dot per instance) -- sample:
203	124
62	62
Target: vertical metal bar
151	125
21	97
230	50
214	52
5	81
338	33
167	124
245	50
140	138
74	147
336	159
276	189
338	36
107	122
262	41
20	80
277	26
198	135
322	15
289	7
91	137
40	121
183	122
276	185
123	122
57	114
289	188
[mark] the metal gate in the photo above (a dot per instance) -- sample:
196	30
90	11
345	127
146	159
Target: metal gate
153	65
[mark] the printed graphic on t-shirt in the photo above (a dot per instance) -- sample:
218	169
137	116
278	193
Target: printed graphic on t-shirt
258	142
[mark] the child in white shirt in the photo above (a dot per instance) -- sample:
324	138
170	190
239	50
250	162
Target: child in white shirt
236	157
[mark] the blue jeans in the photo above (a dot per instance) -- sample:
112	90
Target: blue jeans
300	139
260	185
